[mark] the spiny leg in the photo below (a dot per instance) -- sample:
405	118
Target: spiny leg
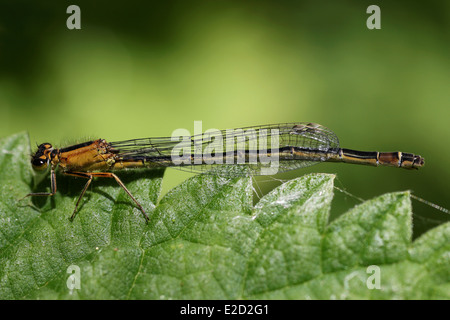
104	175
109	175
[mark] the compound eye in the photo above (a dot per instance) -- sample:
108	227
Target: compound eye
39	163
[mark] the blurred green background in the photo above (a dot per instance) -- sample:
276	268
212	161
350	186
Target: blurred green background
145	68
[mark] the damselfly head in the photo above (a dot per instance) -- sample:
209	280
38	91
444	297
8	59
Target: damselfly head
41	158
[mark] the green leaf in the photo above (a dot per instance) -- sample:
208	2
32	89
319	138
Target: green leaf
206	240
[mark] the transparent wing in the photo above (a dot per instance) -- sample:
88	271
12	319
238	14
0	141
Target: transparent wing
231	149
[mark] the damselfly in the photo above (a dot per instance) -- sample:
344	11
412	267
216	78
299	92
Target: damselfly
267	149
